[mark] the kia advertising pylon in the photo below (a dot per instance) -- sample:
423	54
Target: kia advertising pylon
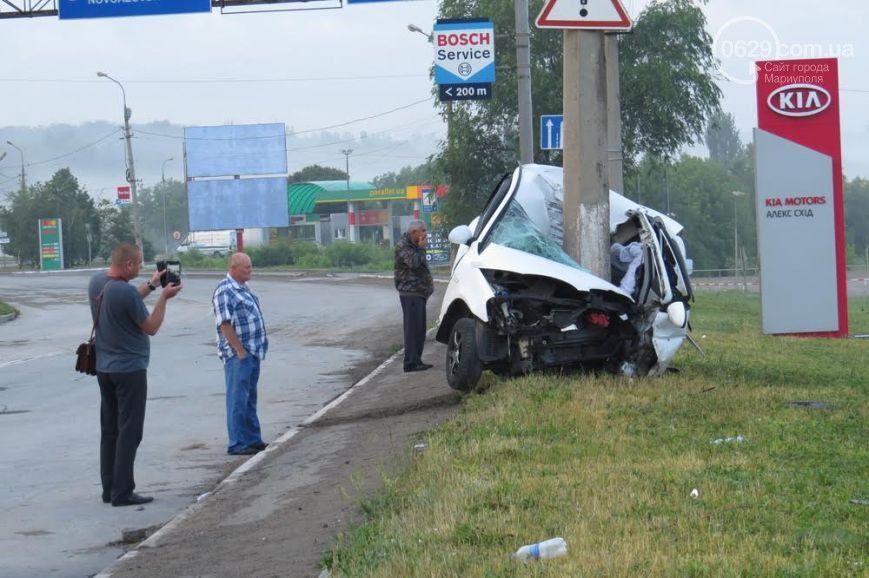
800	208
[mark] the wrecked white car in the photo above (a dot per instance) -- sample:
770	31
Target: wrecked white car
516	302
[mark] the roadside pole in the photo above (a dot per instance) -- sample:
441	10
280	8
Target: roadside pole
615	156
586	179
523	74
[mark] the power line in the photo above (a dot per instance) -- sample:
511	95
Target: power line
78	150
295	132
224	80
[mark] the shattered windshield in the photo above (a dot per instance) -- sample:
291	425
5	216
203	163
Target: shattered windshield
516	230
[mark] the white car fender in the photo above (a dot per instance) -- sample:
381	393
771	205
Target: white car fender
467	284
667	337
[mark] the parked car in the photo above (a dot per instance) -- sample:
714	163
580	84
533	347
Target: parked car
516	302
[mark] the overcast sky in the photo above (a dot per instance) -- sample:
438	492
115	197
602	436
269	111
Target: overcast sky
316	69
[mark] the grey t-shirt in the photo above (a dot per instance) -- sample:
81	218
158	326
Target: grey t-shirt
122	346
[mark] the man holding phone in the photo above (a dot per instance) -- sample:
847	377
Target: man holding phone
123	326
241	346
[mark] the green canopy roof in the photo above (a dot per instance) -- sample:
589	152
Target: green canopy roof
303	196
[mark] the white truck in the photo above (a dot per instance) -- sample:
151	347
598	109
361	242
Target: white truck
209	243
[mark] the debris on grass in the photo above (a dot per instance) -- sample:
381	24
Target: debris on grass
729	440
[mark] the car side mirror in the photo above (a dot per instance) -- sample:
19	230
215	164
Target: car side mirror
461	235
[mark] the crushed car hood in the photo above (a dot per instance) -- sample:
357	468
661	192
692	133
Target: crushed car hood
496	256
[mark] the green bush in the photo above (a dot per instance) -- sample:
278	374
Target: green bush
194	259
346	254
281	253
313	261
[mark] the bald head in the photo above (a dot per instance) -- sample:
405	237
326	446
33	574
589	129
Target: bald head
240	267
123	253
126	261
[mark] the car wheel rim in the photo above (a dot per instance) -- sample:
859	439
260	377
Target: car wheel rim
455	352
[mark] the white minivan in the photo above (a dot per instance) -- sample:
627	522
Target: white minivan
516	302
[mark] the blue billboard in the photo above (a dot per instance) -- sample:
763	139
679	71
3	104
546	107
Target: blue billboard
218	204
72	9
236	149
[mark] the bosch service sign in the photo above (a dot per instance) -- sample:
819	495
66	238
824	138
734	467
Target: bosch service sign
800	209
464	58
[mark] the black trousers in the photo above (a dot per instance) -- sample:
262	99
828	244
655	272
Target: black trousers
413	310
122	419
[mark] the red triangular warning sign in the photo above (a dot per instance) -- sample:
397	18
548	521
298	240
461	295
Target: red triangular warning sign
584	14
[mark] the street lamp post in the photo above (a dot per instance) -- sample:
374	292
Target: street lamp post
20	152
163	189
131	168
736	195
347	153
163	169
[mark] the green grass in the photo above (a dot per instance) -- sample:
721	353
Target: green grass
609	463
6	309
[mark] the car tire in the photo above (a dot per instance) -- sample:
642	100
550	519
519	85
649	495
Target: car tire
463	364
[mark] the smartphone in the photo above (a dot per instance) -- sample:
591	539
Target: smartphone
173	272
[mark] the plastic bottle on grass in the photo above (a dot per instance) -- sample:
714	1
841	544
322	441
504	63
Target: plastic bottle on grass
552	548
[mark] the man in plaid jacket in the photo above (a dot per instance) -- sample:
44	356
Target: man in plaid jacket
241	345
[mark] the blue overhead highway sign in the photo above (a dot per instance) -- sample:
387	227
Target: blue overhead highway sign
71	9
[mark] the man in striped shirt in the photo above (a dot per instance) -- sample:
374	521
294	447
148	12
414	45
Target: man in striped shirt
241	345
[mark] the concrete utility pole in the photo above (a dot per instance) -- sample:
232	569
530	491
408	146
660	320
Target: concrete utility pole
586	180
614	113
20	152
523	75
131	168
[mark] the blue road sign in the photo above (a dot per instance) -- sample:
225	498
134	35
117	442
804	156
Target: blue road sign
71	9
550	131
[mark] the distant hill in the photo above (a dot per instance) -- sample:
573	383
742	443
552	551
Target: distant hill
95	152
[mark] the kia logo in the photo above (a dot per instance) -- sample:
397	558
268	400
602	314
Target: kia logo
799	100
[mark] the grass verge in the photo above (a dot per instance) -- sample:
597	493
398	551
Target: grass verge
609	464
6	309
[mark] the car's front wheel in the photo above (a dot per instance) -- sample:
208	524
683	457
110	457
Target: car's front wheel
463	363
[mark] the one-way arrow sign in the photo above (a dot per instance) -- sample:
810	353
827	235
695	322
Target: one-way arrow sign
584	14
550	131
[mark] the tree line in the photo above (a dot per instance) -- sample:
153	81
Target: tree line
90	228
669	99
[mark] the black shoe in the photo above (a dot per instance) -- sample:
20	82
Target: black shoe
259	446
107	498
133	499
417	367
249	451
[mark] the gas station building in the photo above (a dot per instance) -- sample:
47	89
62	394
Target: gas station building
327	211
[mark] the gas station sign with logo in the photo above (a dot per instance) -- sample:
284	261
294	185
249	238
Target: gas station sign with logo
800	207
50	244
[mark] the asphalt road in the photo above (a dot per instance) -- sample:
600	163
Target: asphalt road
53	522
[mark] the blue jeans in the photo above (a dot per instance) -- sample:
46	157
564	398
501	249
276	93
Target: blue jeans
241	420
